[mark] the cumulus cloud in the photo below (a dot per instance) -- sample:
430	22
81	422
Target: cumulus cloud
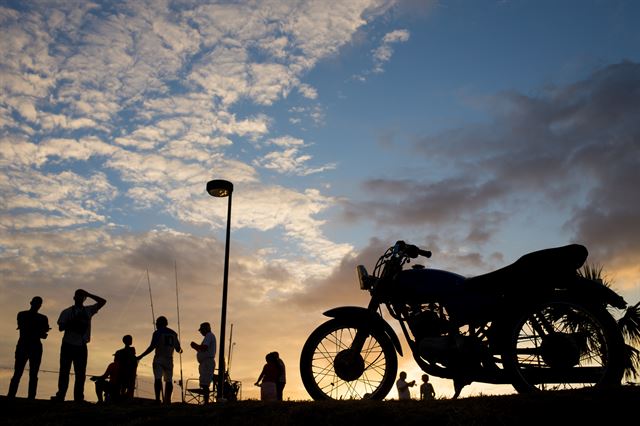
147	93
53	200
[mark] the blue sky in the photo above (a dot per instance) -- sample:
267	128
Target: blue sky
478	129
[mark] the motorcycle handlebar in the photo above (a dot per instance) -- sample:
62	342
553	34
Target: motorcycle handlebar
411	250
425	253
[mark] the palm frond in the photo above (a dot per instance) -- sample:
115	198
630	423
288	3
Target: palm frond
629	325
631	362
594	272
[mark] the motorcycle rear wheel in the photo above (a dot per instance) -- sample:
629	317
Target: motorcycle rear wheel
331	370
562	344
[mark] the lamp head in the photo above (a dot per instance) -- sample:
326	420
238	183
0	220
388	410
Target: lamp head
219	188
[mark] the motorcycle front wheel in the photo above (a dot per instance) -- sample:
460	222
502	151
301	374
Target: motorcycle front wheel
562	344
330	369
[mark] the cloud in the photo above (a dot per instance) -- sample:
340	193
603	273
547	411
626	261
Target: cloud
50	200
110	119
289	160
314	113
383	53
307	91
572	150
145	95
114	265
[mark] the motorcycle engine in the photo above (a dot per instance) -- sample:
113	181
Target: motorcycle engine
431	329
427	321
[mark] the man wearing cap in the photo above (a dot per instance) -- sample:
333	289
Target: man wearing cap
75	321
164	341
206	353
33	327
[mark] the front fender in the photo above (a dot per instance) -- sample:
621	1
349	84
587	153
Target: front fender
363	314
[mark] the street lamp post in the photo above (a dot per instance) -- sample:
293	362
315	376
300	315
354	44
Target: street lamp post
222	188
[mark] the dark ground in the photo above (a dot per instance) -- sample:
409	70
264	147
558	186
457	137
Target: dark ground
543	409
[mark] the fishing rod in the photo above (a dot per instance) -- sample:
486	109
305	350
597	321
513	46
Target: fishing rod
230	347
153	315
175	267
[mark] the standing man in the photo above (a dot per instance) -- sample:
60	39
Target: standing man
33	327
75	321
164	340
403	387
206	355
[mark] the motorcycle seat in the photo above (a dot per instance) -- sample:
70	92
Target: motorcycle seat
557	263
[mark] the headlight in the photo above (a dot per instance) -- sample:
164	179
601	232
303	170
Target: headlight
364	278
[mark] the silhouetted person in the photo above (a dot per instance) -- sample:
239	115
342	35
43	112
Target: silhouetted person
206	354
164	341
282	377
75	321
426	389
268	378
127	367
108	385
403	386
33	326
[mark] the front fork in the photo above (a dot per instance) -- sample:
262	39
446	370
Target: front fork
365	330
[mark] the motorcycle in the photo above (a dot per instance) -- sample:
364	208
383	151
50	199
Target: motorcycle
535	324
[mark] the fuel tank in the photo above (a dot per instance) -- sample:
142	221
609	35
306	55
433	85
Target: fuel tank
420	286
428	285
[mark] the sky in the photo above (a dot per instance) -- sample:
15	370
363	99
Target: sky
480	130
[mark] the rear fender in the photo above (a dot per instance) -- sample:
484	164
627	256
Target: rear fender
362	314
598	292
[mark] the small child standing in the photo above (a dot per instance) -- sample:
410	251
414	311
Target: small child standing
426	389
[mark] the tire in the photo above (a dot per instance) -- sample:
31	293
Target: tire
330	370
584	348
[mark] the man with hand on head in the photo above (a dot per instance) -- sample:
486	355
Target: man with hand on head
75	321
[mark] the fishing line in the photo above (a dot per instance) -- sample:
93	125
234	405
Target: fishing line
126	306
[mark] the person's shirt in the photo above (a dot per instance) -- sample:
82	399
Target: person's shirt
403	389
76	322
270	372
126	360
210	341
426	391
165	341
33	326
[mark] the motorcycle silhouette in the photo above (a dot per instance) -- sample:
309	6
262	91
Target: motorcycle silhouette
535	324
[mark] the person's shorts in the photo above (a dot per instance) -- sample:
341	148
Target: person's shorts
205	368
163	369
